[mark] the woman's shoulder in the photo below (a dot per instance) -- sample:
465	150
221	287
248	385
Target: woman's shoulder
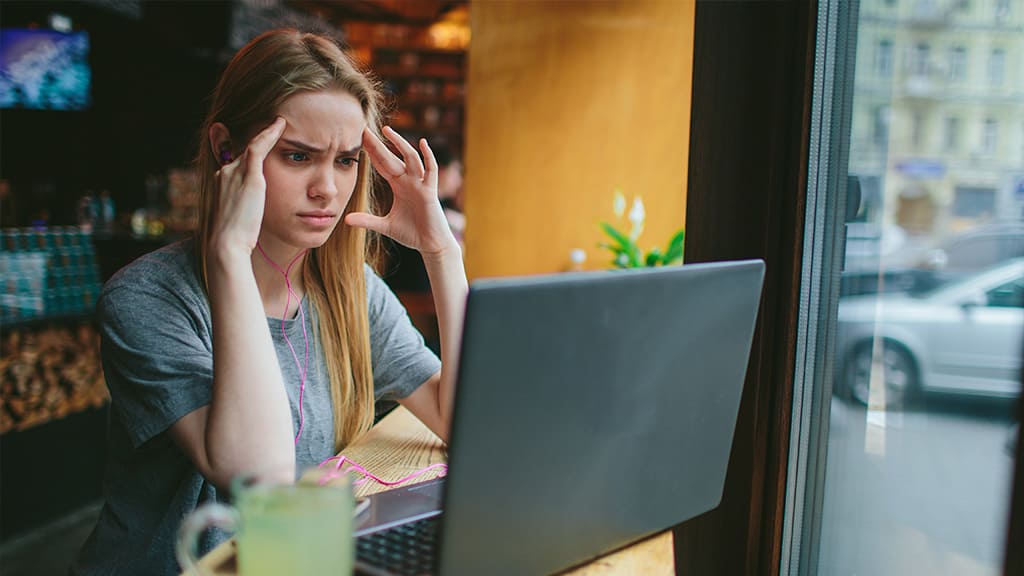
172	266
378	293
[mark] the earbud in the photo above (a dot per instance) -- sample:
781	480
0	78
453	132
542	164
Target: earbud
225	156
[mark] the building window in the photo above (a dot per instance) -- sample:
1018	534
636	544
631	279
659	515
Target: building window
916	130
880	126
975	203
925	8
989	136
919	59
996	67
1002	9
958	64
883	58
951	139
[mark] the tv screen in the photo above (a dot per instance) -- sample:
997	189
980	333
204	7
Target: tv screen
44	69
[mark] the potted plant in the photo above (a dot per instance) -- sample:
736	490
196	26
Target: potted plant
626	253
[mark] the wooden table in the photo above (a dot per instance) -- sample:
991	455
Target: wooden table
400	445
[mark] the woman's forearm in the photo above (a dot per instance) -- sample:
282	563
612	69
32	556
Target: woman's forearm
249	424
449	286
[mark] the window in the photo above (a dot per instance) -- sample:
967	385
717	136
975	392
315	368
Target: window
893	469
880	127
973	202
883	58
989	136
1002	9
958	64
1009	295
951	138
916	130
919	59
996	67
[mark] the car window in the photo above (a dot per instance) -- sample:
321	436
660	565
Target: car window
1009	295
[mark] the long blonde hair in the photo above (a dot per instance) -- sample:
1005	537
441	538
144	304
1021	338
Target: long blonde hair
267	71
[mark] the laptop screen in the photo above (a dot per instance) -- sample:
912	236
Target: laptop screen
592	409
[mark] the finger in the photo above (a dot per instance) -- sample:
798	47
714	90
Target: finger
389	166
264	142
431	163
413	165
366	220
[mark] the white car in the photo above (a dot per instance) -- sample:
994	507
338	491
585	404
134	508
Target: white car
964	337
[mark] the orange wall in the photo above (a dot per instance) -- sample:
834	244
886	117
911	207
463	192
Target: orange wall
566	102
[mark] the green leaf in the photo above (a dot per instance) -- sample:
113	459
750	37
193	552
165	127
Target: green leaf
624	242
674	251
626	245
653	257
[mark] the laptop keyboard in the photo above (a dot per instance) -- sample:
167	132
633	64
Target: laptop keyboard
405	550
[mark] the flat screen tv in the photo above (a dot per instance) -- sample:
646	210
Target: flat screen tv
44	69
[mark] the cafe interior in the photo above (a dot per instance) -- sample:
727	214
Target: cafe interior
562	113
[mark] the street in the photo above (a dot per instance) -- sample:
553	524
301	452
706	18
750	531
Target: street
925	491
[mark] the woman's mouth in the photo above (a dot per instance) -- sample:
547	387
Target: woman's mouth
317	219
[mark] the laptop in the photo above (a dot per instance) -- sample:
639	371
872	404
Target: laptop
594	409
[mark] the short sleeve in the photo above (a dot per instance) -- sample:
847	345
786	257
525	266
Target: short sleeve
156	348
401	360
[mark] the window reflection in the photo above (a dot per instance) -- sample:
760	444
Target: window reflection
931	314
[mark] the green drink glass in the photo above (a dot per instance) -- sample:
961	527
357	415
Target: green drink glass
295	529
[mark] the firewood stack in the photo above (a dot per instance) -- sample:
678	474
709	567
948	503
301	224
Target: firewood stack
48	372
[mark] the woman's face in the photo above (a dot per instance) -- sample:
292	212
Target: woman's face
449	180
312	170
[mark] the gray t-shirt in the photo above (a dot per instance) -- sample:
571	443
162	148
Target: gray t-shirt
157	352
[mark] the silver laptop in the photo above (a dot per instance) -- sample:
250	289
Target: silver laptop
593	409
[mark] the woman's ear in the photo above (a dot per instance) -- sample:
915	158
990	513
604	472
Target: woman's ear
220	143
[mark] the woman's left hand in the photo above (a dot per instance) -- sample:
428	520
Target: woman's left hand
416	218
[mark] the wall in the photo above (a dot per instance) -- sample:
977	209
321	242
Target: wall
566	102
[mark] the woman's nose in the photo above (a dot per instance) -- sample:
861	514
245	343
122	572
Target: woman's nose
323	185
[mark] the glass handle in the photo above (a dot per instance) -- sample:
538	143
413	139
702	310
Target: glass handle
209	515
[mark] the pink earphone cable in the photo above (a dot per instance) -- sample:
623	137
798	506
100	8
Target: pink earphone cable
302	369
338	471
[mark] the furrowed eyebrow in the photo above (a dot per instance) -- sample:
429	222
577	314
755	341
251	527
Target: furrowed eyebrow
315	150
302	146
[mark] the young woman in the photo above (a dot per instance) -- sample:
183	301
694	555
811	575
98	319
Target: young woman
260	346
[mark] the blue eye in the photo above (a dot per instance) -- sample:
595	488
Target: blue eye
296	157
348	162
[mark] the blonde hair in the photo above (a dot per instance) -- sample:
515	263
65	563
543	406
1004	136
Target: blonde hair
266	72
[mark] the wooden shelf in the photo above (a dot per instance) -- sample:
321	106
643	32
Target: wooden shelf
389	72
423	102
425	82
422	50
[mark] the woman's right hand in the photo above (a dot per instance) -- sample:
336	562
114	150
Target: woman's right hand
242	194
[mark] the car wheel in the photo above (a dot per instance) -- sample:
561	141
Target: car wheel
898	372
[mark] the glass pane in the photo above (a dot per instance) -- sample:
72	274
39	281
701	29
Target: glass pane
930	327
